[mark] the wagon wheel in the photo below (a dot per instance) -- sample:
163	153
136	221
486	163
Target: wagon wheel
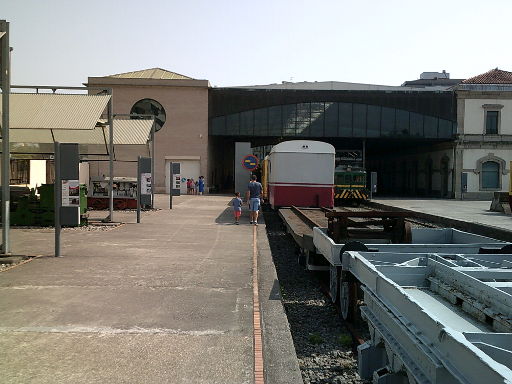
333	283
348	297
348	285
119	204
301	257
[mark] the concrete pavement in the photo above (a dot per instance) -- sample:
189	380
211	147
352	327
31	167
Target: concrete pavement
465	210
165	301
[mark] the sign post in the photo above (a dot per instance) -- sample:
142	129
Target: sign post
171	183
144	184
66	189
174	181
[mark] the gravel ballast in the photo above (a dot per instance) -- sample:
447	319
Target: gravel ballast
322	344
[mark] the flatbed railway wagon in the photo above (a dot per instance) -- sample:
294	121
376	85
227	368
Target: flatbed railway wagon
300	173
438	306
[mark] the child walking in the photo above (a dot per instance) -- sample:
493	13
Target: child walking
237	207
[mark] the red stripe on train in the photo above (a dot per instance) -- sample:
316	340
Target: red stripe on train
286	183
285	196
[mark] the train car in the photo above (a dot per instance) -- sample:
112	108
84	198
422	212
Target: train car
300	173
350	186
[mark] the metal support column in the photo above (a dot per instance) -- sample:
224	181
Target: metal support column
6	158
138	187
364	154
111	158
57	191
171	183
153	165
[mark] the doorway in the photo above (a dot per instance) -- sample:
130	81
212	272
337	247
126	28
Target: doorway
189	169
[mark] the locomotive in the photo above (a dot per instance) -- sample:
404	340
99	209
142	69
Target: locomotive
349	178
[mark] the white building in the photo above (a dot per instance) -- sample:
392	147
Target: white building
483	148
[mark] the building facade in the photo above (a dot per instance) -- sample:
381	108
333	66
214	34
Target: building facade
428	137
484	135
180	105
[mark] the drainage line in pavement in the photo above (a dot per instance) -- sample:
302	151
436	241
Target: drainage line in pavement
30	258
257	336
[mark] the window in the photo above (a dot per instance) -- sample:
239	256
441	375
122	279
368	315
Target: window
490	175
150	107
491	122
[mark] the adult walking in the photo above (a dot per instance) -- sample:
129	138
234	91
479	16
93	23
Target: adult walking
200	185
253	196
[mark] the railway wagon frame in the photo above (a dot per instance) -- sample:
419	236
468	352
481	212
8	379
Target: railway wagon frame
438	305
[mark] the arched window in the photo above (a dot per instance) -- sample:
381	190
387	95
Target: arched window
150	107
490	175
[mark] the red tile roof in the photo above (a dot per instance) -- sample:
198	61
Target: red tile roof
494	76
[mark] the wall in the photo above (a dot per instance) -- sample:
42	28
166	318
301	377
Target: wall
474	115
185	132
83	169
470	159
242	175
473	145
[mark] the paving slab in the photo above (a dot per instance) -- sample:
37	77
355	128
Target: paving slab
168	300
89	358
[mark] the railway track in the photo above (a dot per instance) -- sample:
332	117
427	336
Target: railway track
317	218
324	347
386	282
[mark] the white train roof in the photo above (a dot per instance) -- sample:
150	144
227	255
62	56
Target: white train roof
308	146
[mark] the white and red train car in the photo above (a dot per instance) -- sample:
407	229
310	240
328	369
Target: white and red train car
300	173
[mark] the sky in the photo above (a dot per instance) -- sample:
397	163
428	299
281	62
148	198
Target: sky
63	42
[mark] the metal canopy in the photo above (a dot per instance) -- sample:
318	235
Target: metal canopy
55	111
126	132
131	131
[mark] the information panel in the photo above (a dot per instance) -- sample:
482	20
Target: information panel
145	183
70	193
68	158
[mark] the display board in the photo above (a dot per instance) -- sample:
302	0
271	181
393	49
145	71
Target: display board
69	160
176	179
70	193
145	183
145	180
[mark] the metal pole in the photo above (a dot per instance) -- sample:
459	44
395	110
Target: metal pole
139	180
364	154
153	165
57	191
6	156
111	158
171	182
